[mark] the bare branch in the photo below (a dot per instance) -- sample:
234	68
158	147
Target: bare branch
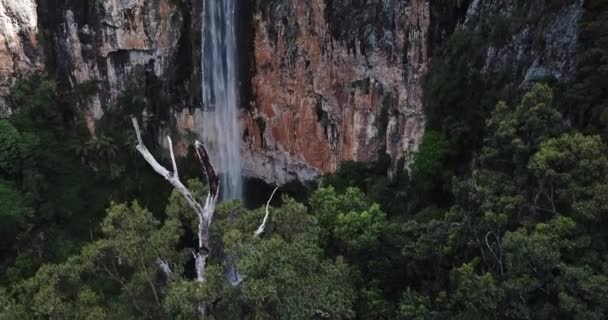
137	132
263	225
214	187
498	256
173	179
212	177
204	213
164	267
175	173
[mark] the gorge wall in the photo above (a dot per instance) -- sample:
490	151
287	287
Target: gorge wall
539	40
139	45
334	82
20	52
322	81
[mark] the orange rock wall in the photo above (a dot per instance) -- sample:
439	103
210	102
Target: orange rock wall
318	103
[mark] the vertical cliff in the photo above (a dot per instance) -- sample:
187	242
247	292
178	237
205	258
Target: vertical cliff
322	81
149	46
20	52
339	80
529	40
334	81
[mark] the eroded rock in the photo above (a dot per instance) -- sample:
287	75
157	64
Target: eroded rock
321	100
20	52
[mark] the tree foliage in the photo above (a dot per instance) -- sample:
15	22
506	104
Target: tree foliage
502	214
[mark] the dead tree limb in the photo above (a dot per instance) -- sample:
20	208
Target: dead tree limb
206	216
173	178
164	267
497	256
203	212
175	173
261	228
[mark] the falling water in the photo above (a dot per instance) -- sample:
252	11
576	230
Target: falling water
220	126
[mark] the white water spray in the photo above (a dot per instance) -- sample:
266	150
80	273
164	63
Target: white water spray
220	126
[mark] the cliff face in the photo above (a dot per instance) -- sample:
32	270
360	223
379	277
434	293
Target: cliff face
19	48
120	45
334	82
324	81
540	40
339	80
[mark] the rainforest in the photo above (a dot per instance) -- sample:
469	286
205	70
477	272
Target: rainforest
288	159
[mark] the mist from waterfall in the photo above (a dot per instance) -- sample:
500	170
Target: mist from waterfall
220	125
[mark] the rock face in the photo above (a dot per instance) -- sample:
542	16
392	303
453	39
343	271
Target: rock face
543	42
322	97
323	81
120	45
19	49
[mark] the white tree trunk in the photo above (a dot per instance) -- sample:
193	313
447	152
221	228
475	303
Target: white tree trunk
204	213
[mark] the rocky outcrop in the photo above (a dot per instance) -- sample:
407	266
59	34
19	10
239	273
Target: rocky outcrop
325	94
20	52
118	45
540	38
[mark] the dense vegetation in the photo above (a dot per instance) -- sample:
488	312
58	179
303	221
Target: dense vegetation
502	216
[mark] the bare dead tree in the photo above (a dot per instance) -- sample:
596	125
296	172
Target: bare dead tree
204	212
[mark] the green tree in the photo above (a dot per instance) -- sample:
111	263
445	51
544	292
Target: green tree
549	275
14	214
284	273
572	173
361	230
515	134
36	163
493	199
429	158
136	270
349	218
586	100
476	296
415	306
11	152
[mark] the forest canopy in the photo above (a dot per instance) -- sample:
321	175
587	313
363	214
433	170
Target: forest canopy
501	215
520	236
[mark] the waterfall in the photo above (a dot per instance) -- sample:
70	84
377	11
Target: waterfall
220	125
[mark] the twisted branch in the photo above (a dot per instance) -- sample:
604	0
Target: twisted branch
263	225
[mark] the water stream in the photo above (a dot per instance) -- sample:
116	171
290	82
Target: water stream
220	126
